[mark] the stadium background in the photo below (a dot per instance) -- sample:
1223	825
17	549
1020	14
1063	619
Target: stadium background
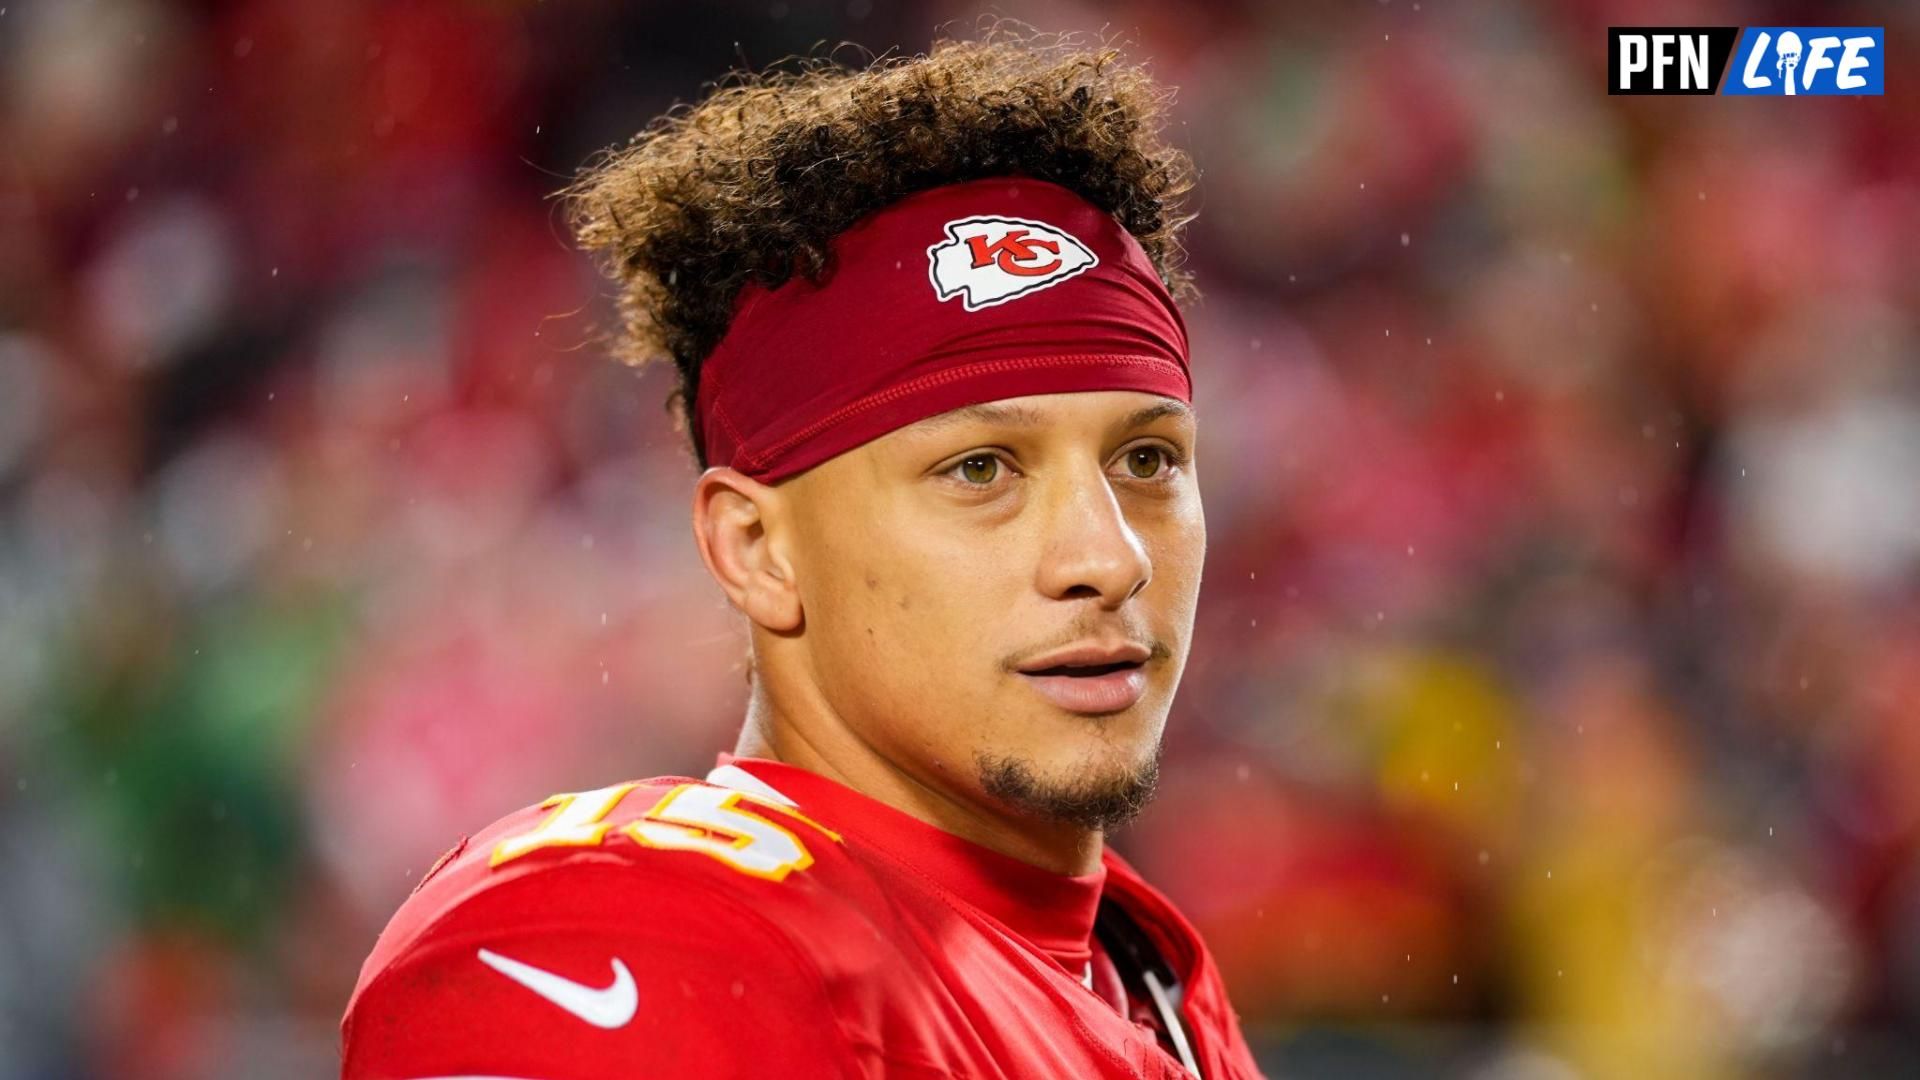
1554	708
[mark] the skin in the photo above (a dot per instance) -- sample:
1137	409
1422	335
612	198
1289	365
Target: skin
893	591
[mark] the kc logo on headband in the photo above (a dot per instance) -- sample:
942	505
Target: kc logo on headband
991	260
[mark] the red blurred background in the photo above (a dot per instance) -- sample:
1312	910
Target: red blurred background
1554	709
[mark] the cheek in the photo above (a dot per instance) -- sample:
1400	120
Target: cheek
1176	540
920	616
905	629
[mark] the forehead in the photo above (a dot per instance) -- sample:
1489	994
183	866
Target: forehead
1118	409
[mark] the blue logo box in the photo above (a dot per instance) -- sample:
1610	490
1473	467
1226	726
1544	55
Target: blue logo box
1808	60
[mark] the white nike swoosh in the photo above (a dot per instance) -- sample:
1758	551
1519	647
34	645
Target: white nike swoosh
608	1008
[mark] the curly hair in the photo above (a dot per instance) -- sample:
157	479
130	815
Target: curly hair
753	183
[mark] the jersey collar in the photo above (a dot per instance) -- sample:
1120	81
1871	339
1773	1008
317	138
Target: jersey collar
1053	913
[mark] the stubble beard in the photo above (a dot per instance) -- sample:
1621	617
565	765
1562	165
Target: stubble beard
1101	803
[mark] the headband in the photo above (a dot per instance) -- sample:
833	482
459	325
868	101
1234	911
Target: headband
953	296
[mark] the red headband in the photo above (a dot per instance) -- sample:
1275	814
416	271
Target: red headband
950	297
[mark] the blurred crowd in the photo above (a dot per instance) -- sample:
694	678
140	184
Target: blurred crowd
1554	706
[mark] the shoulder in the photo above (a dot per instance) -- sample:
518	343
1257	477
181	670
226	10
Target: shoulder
693	898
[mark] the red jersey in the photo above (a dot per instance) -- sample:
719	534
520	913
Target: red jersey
770	921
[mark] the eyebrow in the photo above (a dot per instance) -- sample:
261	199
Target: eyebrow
1028	416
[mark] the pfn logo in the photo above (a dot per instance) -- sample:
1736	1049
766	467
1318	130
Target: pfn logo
991	260
1667	59
1795	60
1791	60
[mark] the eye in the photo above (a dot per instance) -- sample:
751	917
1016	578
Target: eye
976	470
1152	462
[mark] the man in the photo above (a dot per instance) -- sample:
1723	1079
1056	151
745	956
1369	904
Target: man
934	371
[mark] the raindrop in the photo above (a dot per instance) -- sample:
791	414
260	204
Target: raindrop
1406	240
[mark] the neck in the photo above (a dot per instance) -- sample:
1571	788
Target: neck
820	742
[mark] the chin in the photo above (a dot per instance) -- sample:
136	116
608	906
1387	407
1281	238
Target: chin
1089	786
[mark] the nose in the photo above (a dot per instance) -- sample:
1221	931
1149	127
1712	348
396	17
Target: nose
1091	550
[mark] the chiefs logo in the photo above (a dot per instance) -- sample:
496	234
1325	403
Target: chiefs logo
991	260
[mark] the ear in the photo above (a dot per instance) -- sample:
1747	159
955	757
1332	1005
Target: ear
740	527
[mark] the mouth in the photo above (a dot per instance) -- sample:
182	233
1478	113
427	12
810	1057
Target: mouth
1082	671
1090	689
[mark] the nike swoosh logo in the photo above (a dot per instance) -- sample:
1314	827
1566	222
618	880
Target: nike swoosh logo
609	1007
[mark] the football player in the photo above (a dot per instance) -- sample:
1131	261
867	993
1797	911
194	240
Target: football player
932	365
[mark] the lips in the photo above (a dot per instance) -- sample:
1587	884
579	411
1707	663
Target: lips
1109	691
1077	658
1091	678
1071	669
